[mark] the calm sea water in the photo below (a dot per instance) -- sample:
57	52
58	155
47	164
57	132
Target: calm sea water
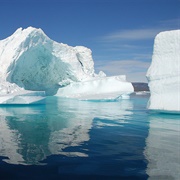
71	139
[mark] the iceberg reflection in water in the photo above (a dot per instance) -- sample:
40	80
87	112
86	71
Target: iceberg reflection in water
163	147
31	133
71	139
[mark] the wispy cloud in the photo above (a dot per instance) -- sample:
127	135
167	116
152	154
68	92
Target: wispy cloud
114	46
132	34
171	23
135	70
143	33
144	57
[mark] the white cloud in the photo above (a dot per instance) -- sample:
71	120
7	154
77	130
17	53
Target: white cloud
173	23
133	34
134	70
143	33
142	56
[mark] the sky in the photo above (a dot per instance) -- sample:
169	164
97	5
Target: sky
120	33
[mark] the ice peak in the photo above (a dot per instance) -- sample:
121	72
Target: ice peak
31	29
19	30
28	31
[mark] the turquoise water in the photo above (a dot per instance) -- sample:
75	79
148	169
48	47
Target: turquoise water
71	139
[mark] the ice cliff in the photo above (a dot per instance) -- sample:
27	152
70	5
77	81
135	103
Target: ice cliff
33	61
164	73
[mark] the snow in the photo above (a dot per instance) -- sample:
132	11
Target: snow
34	62
12	94
164	73
106	88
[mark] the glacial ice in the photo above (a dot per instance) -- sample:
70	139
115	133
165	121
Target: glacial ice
106	88
164	73
12	94
34	62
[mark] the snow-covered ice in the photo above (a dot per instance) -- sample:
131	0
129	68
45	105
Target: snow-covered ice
31	60
164	73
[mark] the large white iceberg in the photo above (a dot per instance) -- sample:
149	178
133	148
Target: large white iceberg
164	73
34	62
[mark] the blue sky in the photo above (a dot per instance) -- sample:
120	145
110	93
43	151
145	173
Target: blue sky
120	33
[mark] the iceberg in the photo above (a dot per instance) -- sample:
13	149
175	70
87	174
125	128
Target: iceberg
34	62
104	88
164	73
13	94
